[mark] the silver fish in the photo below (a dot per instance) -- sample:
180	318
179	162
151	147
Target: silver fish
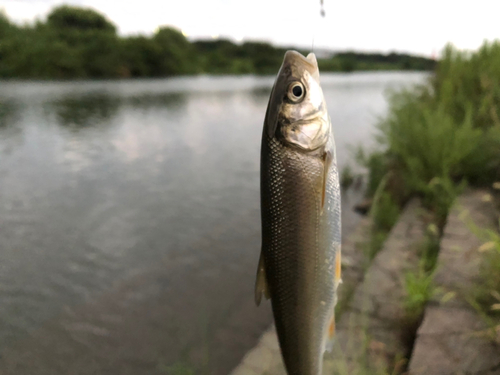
299	266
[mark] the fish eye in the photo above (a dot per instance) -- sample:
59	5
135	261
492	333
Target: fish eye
296	92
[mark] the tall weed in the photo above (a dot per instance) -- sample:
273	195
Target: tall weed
384	212
470	79
438	135
427	143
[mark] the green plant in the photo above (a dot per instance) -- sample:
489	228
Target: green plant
418	284
384	213
427	142
439	196
376	164
178	368
346	177
430	248
419	290
465	78
440	135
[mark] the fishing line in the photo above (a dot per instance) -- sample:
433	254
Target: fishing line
322	13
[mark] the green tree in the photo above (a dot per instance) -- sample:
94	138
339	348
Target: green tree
88	37
176	53
140	57
71	18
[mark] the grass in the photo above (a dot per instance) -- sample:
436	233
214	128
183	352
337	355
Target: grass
419	290
419	287
485	294
384	213
441	135
346	177
376	165
427	149
178	368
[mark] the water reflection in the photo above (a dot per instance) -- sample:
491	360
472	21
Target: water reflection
10	131
9	112
173	101
261	93
87	110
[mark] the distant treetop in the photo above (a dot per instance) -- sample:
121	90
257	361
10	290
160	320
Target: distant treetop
65	16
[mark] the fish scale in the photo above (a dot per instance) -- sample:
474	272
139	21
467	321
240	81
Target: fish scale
294	203
300	209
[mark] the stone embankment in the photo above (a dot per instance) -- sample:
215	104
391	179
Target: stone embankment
373	336
369	333
453	338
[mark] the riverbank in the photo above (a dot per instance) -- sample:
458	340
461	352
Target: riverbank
376	333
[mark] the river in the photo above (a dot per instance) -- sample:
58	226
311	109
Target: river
129	218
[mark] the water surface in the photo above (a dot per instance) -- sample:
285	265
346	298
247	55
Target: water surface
129	218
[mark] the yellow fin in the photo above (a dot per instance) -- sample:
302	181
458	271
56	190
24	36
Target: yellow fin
330	334
261	287
338	268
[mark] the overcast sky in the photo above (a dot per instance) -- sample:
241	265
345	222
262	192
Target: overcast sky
421	27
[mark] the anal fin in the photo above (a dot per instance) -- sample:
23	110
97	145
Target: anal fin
330	334
261	287
338	268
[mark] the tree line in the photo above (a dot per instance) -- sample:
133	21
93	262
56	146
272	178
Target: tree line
81	43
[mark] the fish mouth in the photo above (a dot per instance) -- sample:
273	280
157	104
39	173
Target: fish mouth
292	56
309	63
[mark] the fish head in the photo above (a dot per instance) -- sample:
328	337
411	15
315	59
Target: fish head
297	111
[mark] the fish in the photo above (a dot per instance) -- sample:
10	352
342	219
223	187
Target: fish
300	266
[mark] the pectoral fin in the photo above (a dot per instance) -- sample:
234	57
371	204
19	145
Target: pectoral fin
327	161
261	287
